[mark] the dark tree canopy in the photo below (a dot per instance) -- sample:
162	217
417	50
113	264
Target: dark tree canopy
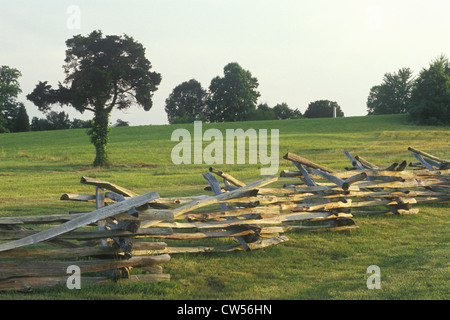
102	72
430	98
121	123
323	109
233	96
22	123
187	102
79	124
393	95
263	112
58	120
53	121
283	112
39	124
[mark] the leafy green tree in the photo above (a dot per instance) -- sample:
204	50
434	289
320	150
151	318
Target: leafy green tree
39	124
9	90
22	121
53	121
279	112
102	72
233	97
296	114
283	112
323	109
187	102
375	104
393	95
430	98
58	120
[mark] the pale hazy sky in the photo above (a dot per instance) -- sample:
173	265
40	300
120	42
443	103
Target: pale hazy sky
299	50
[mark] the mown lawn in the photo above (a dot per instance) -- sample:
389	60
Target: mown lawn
411	251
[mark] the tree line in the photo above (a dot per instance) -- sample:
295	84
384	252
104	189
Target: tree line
233	97
60	121
14	116
426	98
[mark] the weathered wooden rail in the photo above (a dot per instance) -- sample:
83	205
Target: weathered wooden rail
127	230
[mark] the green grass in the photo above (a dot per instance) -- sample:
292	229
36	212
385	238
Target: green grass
412	251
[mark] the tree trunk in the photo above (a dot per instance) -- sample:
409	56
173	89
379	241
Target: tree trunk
99	134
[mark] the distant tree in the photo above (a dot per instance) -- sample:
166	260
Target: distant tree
264	107
121	123
279	112
58	120
375	104
9	91
233	97
102	72
393	95
262	112
79	124
37	124
22	121
430	97
323	109
187	102
283	112
296	114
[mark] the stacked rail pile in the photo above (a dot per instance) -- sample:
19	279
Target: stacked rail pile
253	214
369	188
109	240
35	258
125	231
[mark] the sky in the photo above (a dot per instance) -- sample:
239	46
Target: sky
299	50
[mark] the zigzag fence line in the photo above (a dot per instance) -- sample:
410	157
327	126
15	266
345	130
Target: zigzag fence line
128	230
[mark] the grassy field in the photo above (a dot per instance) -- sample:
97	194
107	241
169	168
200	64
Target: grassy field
411	251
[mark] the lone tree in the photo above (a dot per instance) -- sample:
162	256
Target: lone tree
187	102
102	72
393	95
233	97
323	109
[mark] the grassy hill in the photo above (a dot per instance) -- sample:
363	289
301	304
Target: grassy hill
412	251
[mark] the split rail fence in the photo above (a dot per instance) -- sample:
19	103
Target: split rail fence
127	230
